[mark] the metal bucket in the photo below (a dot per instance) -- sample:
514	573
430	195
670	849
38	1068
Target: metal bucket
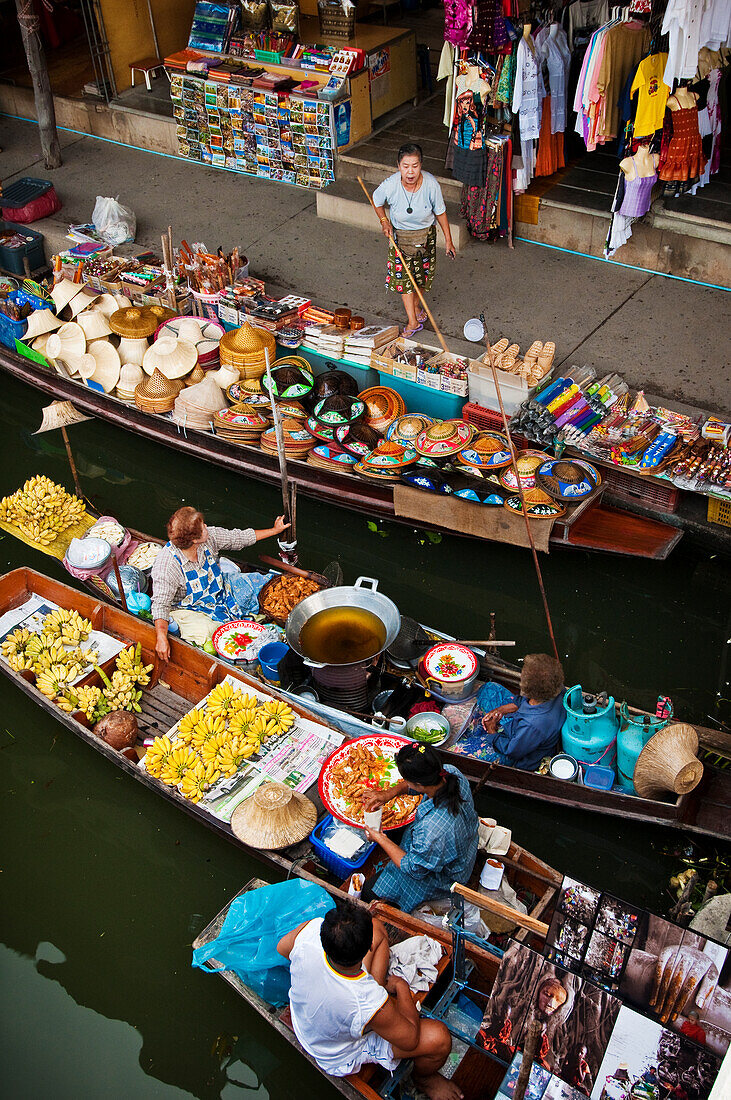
356	595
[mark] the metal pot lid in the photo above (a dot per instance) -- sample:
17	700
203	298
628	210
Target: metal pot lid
405	429
450	662
527	463
549	509
564	479
431	481
444	438
339	409
488	449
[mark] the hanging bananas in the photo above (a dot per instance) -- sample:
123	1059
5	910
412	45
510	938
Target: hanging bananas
41	509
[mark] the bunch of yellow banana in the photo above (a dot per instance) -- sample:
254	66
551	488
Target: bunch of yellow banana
37	645
16	642
120	693
69	626
156	757
177	764
187	724
87	699
280	712
242	723
225	700
264	727
129	661
41	509
211	747
55	680
19	662
195	782
207	727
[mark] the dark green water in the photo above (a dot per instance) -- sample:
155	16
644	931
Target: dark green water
104	886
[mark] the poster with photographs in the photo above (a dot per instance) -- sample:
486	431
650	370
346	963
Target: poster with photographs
591	933
682	980
645	1061
576	1017
537	1081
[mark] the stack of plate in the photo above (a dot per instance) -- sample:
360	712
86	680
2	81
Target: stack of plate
196	405
297	441
157	393
327	457
487	451
242	423
244	348
386	461
405	429
444	438
383	406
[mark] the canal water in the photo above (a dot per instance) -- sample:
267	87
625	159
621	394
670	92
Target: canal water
104	886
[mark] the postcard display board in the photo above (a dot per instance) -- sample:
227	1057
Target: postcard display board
613	995
287	138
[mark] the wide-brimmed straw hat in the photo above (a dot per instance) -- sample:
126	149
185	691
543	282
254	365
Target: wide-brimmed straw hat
172	357
94	324
110	303
81	302
59	414
68	341
108	365
669	762
40	322
133	322
63	292
275	816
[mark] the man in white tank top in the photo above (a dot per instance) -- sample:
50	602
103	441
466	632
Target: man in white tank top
346	1012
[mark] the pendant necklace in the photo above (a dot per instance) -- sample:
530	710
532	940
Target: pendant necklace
409	208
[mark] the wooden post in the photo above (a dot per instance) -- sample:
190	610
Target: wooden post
72	464
530	1047
29	29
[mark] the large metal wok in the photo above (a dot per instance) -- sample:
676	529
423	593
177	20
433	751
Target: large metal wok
357	595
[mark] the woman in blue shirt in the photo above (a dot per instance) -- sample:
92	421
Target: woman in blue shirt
439	847
518	730
414	199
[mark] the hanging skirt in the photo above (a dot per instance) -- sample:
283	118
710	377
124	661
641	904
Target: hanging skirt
419	249
469	166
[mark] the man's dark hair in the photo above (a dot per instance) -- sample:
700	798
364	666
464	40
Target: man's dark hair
346	933
410	149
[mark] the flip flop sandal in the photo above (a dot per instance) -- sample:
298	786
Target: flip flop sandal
533	351
500	347
545	359
513	350
506	361
408	332
422	316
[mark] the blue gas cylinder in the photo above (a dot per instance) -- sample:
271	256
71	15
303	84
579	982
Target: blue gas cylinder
634	732
590	728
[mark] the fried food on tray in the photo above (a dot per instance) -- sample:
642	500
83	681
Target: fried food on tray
364	767
285	593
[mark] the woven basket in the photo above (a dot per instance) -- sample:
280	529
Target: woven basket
244	349
668	762
157	393
335	20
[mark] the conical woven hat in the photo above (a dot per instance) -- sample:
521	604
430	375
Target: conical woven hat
40	322
172	357
206	397
59	414
94	324
63	292
196	375
243	340
158	386
274	817
224	376
133	322
668	762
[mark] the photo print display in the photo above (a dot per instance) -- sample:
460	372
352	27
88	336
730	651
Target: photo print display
576	1017
537	1081
681	979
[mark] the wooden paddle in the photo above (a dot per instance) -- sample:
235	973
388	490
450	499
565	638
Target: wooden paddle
499	909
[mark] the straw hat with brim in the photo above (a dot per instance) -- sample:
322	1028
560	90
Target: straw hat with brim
157	393
274	817
84	366
63	292
41	322
39	344
108	365
173	358
130	377
59	414
668	762
162	313
67	342
133	322
109	304
94	324
81	302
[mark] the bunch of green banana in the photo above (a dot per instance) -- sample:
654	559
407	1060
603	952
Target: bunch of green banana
120	693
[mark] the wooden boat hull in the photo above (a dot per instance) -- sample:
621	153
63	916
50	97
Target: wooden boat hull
650	537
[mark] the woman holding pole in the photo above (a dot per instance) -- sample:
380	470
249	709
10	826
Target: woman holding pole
414	199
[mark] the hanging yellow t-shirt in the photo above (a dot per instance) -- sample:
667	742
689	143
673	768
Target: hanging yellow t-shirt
653	94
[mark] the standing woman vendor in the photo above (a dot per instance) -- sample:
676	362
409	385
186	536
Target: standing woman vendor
439	847
187	576
414	200
518	730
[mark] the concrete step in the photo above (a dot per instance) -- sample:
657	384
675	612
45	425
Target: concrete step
345	202
354	163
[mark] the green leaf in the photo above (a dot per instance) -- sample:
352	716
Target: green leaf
372	526
434	536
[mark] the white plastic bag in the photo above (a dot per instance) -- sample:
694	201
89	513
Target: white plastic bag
115	223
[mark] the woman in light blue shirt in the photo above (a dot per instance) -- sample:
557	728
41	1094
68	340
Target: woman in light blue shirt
414	199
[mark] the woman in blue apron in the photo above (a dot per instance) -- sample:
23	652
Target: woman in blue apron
187	576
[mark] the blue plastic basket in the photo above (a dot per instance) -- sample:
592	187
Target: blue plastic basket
597	776
10	329
343	868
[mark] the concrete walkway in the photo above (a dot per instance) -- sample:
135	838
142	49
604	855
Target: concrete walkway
670	336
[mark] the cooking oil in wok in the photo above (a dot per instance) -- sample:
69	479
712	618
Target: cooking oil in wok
341	635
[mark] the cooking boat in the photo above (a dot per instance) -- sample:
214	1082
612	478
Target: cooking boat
478	1073
188	677
703	811
592	525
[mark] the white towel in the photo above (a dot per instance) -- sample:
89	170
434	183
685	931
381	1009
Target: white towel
415	960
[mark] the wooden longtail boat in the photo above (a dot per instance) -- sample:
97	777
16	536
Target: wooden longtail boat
478	1073
188	677
594	527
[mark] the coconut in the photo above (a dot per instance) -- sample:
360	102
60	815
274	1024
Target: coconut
118	729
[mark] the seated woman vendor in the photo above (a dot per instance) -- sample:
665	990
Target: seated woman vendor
187	576
439	847
518	730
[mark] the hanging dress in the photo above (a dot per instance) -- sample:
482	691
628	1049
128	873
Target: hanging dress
684	159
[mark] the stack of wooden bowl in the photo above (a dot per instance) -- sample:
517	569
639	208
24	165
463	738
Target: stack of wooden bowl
244	349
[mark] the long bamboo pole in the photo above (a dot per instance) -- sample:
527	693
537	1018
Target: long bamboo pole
288	549
406	267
